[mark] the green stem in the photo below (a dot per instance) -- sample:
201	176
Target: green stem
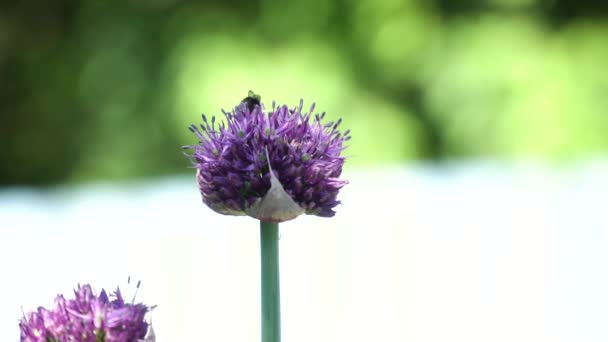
271	294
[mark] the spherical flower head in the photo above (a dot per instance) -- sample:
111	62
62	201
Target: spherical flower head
271	166
87	318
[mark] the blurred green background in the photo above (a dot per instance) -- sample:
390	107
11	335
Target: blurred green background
104	90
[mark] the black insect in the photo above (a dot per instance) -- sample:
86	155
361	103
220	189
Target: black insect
252	100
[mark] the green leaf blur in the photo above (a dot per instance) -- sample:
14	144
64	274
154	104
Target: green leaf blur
93	90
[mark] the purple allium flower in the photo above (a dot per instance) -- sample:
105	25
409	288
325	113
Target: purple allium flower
87	318
271	166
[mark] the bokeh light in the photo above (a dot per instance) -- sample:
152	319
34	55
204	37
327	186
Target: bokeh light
106	91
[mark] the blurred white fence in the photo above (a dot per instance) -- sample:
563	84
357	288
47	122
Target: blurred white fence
467	252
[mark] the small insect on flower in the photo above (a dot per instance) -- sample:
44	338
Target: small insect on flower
252	100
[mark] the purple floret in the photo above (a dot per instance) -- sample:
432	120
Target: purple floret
305	155
86	318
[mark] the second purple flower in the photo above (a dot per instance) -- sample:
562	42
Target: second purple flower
87	318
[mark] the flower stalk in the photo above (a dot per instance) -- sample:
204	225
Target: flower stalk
272	165
271	294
